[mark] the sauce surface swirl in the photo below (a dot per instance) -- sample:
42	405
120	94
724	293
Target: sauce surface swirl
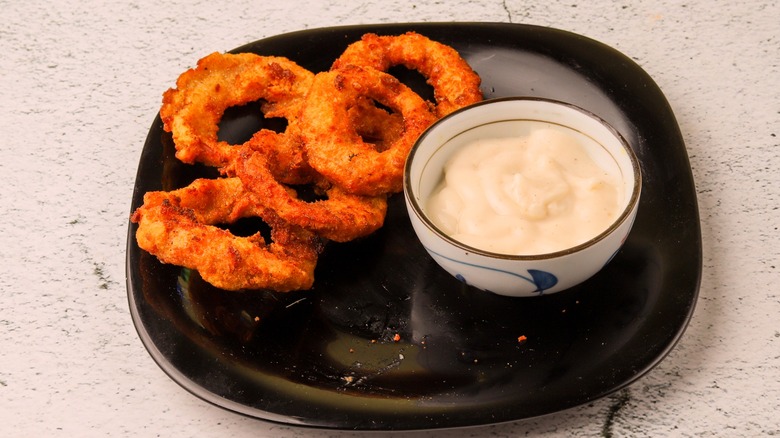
528	195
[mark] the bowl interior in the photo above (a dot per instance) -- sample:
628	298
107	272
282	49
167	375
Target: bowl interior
516	118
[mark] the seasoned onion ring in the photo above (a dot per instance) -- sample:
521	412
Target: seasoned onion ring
334	147
192	110
179	227
341	217
454	82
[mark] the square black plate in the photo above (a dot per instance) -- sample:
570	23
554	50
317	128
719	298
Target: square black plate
328	358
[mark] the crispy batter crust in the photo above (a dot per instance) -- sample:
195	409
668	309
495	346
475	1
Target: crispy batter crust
454	83
376	125
340	217
180	227
192	110
335	148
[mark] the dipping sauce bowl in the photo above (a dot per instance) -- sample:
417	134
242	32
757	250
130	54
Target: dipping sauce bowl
519	274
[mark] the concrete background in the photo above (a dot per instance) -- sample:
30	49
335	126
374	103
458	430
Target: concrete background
82	82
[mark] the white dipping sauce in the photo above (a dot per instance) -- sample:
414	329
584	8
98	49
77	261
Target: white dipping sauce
529	195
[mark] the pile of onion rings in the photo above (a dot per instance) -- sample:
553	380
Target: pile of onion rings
348	132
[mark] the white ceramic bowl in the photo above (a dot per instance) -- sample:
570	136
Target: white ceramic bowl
516	275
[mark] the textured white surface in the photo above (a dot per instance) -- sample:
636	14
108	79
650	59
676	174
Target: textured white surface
81	83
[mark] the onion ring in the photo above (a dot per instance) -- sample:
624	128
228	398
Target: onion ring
341	217
333	146
179	227
192	111
454	83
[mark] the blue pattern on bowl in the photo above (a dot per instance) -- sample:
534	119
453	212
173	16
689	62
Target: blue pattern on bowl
543	280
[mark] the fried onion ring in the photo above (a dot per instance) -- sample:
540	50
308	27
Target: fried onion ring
334	147
192	110
340	217
180	227
454	83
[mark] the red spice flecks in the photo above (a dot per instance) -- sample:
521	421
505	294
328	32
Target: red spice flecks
522	338
397	337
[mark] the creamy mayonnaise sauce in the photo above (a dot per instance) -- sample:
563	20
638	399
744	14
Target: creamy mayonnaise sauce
527	195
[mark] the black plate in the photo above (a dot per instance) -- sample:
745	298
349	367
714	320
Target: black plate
328	358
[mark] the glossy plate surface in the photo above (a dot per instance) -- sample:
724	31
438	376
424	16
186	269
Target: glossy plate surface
329	357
